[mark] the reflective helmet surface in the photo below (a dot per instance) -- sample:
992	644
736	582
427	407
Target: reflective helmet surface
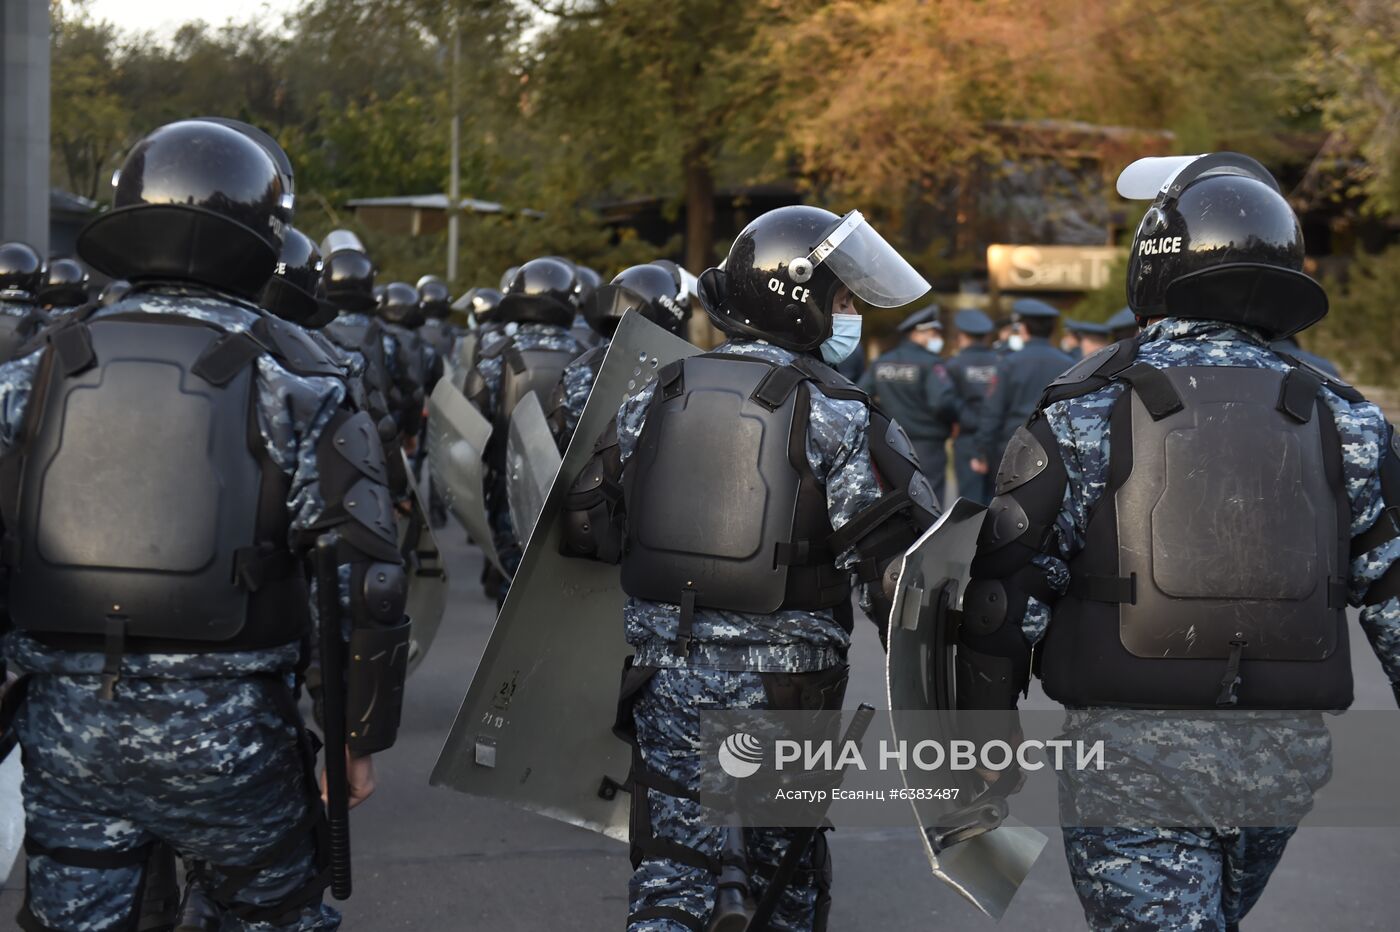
541	292
400	304
195	201
435	297
649	289
296	290
1222	243
21	271
65	284
480	303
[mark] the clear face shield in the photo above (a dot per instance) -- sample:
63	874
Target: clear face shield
338	240
859	256
1165	177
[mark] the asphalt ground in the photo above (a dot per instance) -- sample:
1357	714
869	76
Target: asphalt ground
430	858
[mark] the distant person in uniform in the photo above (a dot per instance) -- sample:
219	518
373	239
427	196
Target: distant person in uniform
1092	337
1122	326
1023	377
974	374
911	384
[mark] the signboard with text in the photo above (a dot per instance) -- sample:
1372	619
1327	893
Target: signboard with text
1051	268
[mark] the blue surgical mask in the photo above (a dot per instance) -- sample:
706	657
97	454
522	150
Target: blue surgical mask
934	346
845	337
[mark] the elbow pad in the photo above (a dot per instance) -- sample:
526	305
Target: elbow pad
592	510
354	481
1029	493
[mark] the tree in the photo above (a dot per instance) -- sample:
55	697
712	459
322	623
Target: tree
90	120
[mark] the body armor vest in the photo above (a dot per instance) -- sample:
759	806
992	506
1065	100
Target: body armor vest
723	510
526	370
15	331
1215	565
142	511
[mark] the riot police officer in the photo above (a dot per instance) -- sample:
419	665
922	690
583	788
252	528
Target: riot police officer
540	302
649	289
712	623
64	288
182	627
480	305
21	277
401	309
973	372
1223	434
436	333
1023	377
911	383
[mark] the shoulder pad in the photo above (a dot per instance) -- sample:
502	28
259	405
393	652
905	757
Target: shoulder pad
294	348
1023	460
1339	386
1089	366
357	442
495	349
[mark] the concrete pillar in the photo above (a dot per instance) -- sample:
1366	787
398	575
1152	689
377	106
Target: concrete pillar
24	122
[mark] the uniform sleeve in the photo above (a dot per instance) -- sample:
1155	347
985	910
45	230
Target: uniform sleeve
1371	471
991	418
16	385
293	414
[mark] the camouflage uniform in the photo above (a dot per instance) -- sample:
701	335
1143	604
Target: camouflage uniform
491	369
1202	877
727	650
202	751
571	394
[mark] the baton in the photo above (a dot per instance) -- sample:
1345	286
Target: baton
333	712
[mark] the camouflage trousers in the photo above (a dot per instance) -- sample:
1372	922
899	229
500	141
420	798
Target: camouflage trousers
211	767
1140	879
666	893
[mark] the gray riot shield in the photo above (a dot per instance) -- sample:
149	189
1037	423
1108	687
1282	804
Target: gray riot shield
976	850
427	577
466	356
457	435
532	460
11	812
535	728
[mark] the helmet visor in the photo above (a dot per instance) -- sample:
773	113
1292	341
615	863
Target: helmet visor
872	268
338	240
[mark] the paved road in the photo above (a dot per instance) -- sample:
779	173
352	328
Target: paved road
429	858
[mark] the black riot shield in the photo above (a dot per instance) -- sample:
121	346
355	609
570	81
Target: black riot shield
457	436
974	849
427	577
535	728
532	461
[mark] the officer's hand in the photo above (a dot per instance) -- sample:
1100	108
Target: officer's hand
410	444
979	466
359	779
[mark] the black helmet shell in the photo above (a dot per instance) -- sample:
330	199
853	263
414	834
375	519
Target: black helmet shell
65	284
649	289
435	297
401	305
542	292
21	271
480	304
195	201
348	277
1224	244
756	296
295	292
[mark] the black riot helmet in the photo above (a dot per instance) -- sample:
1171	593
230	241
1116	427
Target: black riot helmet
783	272
1219	242
435	297
508	277
21	272
274	152
196	202
296	292
480	304
648	289
348	275
113	291
65	284
542	292
401	305
586	283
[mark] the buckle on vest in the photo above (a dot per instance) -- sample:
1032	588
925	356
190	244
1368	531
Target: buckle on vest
114	645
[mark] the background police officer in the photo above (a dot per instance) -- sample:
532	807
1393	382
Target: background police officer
21	277
911	383
712	625
1024	375
1223	434
973	372
161	644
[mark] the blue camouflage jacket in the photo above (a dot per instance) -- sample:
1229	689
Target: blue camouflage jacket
787	641
1081	429
292	413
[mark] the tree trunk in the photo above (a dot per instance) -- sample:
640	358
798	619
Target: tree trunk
700	231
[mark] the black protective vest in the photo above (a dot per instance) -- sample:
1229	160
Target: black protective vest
525	371
1215	564
141	509
723	510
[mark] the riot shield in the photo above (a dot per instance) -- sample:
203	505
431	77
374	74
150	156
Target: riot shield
532	460
457	435
466	358
427	578
975	849
535	728
11	812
